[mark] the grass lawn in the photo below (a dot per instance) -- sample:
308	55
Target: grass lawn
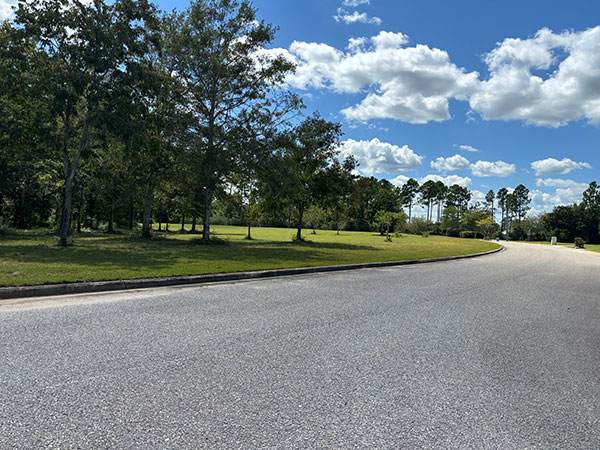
590	247
593	248
35	258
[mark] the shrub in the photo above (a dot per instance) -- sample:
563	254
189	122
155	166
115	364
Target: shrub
5	229
418	225
425	234
579	242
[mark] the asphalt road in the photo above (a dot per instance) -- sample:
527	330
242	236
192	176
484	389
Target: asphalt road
501	351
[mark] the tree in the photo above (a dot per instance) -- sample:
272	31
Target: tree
84	47
564	222
532	227
458	197
442	191
214	51
521	201
360	202
148	120
385	197
486	226
501	196
388	220
472	217
489	198
302	169
591	210
510	206
429	192
409	193
451	220
28	186
341	181
315	216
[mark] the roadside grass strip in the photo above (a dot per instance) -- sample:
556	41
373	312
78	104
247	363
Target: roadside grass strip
34	257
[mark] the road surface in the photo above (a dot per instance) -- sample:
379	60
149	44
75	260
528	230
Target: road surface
501	351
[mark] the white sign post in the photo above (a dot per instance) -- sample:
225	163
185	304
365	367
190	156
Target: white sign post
554	240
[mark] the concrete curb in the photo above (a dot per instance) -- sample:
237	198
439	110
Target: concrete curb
87	287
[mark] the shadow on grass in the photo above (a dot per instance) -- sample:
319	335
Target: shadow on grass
137	255
324	245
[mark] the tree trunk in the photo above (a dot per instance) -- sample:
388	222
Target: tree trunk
409	211
249	237
208	197
131	215
300	217
88	219
167	222
182	222
79	214
146	230
111	221
194	219
66	215
70	167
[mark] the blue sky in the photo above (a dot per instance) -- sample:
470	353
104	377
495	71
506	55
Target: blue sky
487	94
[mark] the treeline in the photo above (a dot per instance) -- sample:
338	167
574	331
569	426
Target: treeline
117	114
568	222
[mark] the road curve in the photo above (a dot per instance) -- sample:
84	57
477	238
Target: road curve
501	351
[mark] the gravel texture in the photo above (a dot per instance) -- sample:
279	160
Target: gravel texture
500	351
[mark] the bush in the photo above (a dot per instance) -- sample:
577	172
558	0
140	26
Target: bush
418	225
425	234
212	241
5	229
579	242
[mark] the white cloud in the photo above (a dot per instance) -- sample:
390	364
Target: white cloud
449	180
549	79
355	17
355	3
560	183
412	84
388	40
400	180
5	8
450	164
467	148
477	196
376	157
356	45
529	80
551	165
479	169
492	169
543	201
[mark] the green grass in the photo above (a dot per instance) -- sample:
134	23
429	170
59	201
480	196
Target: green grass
590	247
35	258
